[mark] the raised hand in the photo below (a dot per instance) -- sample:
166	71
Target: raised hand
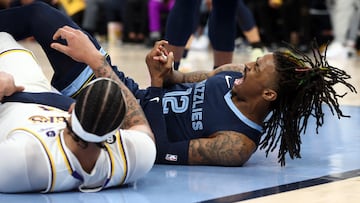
160	63
78	47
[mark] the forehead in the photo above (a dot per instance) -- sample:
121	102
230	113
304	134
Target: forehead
266	58
267	62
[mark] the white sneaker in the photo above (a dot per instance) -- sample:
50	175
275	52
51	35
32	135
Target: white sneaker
337	50
257	52
200	43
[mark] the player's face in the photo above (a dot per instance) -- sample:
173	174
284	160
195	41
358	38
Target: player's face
258	76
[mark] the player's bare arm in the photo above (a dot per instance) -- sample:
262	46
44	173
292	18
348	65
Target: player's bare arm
159	63
226	148
135	117
197	76
80	48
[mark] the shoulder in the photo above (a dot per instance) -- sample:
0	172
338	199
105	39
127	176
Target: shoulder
139	141
136	137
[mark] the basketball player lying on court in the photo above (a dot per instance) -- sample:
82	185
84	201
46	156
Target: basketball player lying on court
218	117
48	149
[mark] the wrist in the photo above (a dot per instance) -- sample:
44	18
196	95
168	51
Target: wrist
98	62
101	67
156	82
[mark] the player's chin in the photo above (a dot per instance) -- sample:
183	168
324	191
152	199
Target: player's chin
233	92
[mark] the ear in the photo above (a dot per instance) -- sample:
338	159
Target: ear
269	95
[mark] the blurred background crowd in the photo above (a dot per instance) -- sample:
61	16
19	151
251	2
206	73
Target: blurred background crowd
297	22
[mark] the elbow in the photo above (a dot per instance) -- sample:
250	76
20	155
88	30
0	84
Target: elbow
240	158
237	158
233	160
237	162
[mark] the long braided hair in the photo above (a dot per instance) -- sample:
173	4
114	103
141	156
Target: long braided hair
100	107
304	85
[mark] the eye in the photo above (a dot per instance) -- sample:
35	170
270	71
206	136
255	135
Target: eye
257	67
246	69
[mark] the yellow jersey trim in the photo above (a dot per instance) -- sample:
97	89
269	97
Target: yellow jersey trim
122	152
16	50
66	159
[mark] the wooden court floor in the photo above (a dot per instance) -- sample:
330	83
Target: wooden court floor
328	172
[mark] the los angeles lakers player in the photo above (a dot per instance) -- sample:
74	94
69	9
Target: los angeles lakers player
44	148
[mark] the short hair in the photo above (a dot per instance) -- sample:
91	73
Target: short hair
100	106
304	85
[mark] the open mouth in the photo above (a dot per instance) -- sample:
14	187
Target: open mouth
239	81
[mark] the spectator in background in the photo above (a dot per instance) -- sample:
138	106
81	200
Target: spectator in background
245	20
114	11
320	25
279	20
345	19
4	4
135	21
93	14
247	23
200	40
183	21
74	9
155	9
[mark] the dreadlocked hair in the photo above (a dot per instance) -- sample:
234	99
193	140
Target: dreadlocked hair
304	85
100	106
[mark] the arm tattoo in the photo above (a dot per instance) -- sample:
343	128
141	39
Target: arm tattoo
195	76
202	75
105	70
225	148
134	114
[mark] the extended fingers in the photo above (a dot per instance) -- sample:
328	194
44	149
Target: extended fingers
65	32
160	43
61	33
170	60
